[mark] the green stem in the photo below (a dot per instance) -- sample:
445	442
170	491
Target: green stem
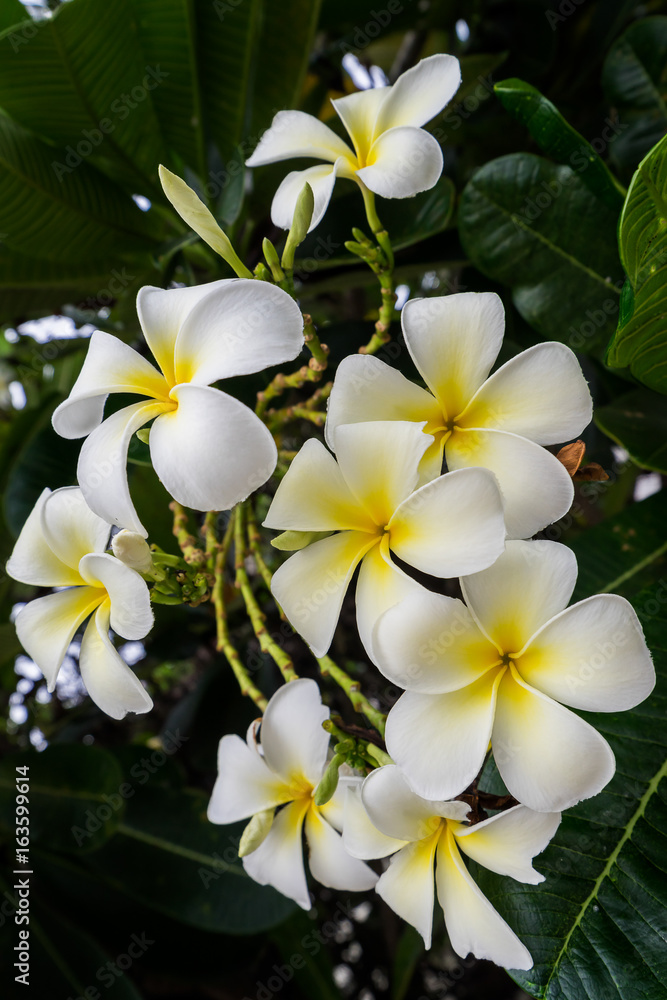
359	701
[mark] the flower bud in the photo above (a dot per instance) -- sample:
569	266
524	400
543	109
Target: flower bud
256	832
303	214
193	211
328	782
133	550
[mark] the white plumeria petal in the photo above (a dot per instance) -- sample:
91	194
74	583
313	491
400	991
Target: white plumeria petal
379	462
508	842
294	743
131	612
420	93
329	862
311	585
358	113
102	468
295	133
398	812
241	327
537	489
212	451
110	366
245	785
431	644
440	740
33	561
361	837
162	312
365	388
540	394
46	626
547	756
381	585
472	923
526	586
112	685
592	656
70	527
321	179
313	496
404	161
467	538
407	885
278	861
454	340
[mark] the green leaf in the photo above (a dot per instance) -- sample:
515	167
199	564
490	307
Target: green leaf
74	216
59	87
635	83
624	553
595	927
281	57
13	13
167	855
302	946
65	960
558	139
638	422
639	343
408	953
33	457
74	803
534	227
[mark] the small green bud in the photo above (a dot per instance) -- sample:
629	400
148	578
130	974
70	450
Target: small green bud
256	832
378	755
328	782
303	214
271	256
144	434
360	237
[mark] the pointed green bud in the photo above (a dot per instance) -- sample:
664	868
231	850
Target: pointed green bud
303	215
262	272
271	257
378	755
292	541
328	782
360	237
256	832
144	434
193	211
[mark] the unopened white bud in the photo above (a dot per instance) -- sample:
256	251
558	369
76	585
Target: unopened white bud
133	550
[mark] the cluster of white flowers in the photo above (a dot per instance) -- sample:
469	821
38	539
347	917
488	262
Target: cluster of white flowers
494	671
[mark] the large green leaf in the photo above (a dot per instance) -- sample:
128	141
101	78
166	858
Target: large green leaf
626	552
75	217
84	82
170	857
635	83
286	30
640	342
534	227
74	801
558	139
13	13
638	422
596	926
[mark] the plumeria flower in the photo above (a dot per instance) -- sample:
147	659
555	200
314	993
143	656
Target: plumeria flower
368	497
392	155
284	771
501	669
208	449
62	545
538	398
386	817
